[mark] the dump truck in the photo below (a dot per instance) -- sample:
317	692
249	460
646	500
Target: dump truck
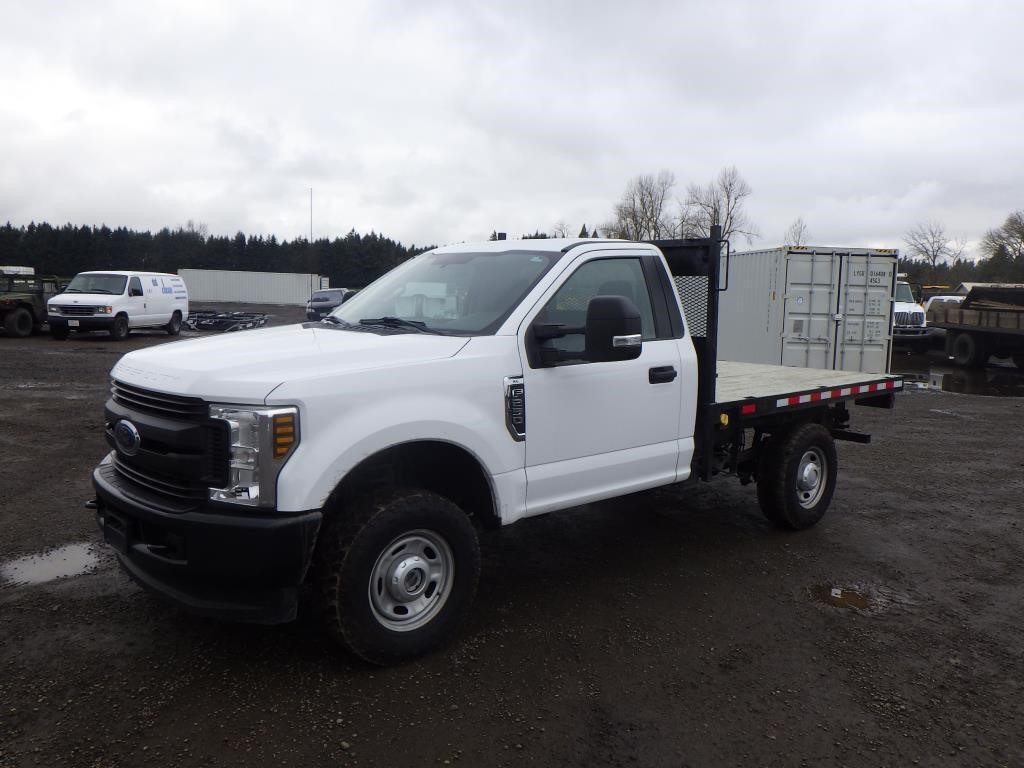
989	322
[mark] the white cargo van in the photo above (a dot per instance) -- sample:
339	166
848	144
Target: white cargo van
116	301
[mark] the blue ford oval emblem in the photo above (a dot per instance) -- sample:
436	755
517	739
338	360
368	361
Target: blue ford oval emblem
127	437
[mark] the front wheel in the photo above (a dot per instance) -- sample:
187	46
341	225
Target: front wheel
797	476
396	574
119	330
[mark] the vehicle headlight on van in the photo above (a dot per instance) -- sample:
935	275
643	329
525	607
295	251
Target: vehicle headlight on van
260	440
104	310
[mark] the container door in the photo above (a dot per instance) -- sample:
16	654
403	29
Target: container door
865	333
810	306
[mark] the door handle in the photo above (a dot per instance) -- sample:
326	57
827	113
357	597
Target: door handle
662	374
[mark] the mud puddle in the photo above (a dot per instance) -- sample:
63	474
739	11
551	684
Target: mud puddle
60	563
857	597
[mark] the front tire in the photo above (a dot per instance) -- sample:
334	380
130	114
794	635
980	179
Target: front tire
119	330
396	574
173	327
18	323
797	476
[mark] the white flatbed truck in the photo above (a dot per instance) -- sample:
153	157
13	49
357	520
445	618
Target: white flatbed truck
358	457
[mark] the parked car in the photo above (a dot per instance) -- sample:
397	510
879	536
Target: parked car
325	301
116	302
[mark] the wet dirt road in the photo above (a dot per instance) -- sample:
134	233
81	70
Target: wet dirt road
672	628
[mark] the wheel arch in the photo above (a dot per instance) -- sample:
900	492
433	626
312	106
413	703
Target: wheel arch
447	469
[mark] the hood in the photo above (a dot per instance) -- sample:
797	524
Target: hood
244	367
84	298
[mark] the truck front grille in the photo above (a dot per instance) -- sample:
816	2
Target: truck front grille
163	485
910	318
77	311
159	403
183	452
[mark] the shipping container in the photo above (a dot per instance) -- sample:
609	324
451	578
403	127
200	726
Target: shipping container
810	307
222	285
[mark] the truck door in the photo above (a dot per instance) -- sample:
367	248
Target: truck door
597	429
136	303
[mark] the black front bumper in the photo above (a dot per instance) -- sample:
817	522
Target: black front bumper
244	567
84	323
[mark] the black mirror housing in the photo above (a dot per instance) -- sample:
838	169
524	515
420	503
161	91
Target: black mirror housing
613	329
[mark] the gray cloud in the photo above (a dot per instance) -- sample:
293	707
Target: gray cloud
440	122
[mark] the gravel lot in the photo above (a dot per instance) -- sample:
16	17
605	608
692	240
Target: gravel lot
671	628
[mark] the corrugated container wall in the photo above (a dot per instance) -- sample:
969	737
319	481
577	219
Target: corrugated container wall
809	307
251	287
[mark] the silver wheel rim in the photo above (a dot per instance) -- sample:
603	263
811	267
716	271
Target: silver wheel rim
811	477
411	580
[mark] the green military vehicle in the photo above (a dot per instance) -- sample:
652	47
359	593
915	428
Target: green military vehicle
23	301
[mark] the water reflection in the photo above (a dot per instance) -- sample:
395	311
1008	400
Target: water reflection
59	563
997	379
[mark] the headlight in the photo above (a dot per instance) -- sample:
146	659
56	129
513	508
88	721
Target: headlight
53	309
260	441
104	310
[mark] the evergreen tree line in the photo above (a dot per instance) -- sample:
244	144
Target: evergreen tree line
350	261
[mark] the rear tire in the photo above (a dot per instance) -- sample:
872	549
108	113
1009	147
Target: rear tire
797	476
173	327
396	574
18	323
968	350
119	330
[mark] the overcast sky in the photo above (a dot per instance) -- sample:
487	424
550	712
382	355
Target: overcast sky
437	122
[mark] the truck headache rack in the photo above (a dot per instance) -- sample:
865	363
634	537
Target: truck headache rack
224	322
696	267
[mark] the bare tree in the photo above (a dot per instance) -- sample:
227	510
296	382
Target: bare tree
560	229
642	213
796	233
929	242
721	202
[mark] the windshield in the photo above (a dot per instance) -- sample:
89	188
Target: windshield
458	293
327	296
97	283
904	294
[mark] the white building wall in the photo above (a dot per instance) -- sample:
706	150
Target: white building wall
251	287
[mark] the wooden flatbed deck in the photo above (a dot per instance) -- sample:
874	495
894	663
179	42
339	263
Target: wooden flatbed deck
740	381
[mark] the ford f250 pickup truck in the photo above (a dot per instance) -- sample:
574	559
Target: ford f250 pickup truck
357	458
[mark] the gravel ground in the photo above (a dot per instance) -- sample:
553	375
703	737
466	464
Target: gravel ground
671	628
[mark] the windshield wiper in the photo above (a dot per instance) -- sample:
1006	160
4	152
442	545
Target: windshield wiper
72	290
335	321
397	322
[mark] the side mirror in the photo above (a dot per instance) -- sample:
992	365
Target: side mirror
613	329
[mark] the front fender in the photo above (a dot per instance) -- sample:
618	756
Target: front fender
344	421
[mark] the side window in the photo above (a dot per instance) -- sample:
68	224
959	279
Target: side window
135	287
601	277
